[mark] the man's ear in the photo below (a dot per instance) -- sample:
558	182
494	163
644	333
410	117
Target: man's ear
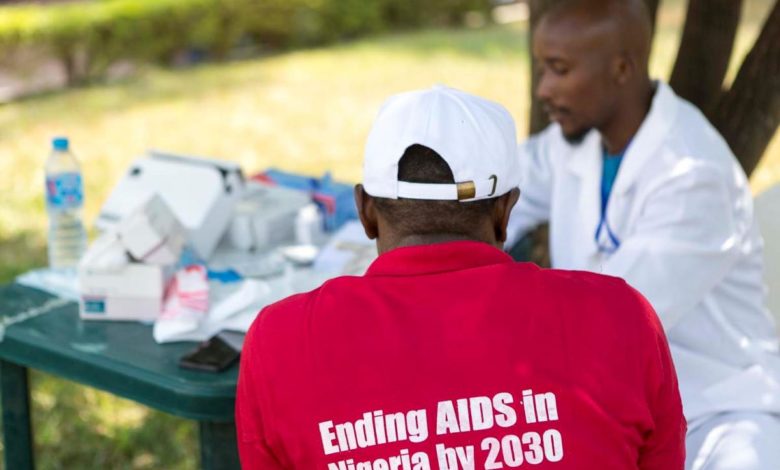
366	211
502	212
623	67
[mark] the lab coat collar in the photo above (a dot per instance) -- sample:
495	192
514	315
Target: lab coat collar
586	162
651	134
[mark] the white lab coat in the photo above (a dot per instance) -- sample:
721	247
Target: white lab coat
682	212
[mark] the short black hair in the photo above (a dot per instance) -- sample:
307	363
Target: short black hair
420	164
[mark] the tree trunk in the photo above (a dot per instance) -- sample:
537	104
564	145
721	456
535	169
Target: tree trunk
537	119
69	66
748	115
705	50
652	9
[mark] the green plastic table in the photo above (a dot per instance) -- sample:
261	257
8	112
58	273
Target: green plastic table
45	333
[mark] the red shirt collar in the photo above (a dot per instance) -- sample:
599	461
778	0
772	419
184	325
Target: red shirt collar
436	258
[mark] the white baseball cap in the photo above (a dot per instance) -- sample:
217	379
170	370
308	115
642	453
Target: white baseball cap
476	138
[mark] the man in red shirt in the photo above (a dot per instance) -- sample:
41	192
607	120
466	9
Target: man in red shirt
446	354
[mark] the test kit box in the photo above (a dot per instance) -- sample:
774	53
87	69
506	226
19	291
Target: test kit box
265	216
201	193
135	291
152	234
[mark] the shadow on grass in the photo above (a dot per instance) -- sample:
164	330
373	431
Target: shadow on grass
21	252
486	43
152	84
79	427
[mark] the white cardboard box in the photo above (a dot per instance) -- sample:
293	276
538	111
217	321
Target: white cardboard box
265	216
133	292
152	234
201	193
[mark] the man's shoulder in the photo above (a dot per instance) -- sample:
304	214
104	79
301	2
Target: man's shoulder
586	281
693	137
603	297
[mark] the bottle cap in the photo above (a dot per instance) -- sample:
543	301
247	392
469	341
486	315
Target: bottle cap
60	143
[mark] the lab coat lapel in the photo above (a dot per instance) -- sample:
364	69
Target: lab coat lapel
648	138
585	164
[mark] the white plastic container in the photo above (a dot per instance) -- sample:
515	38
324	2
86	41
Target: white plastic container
309	226
201	193
265	217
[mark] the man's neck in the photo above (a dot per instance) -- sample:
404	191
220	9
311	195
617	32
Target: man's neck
624	124
427	239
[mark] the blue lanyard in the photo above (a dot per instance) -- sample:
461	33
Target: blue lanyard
612	242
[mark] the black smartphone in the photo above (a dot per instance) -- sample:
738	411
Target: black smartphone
212	355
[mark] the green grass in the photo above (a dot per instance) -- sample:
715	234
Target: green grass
81	428
306	111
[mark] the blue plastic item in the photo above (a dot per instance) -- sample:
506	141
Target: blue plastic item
60	143
335	200
226	276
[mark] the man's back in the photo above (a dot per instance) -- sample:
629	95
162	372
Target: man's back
451	356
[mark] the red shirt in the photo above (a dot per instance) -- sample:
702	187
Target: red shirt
452	356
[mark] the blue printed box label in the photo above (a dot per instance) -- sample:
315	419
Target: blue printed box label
94	304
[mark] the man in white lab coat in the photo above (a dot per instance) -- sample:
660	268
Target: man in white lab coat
637	184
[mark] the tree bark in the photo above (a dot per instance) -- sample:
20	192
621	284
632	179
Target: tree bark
705	50
652	9
537	119
748	115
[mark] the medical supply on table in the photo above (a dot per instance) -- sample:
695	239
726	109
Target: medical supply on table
265	216
348	252
237	304
335	200
186	302
248	264
233	338
64	200
134	291
300	255
62	283
123	274
309	226
244	296
105	254
201	193
238	246
152	234
226	301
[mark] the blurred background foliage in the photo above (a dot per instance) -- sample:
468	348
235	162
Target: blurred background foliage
89	36
311	76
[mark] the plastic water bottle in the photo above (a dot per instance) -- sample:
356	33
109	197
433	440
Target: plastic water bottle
64	200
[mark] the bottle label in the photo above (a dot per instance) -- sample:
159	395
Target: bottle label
64	191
